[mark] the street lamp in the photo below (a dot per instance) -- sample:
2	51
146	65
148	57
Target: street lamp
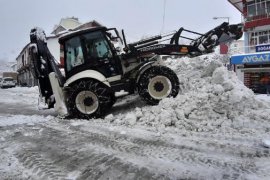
228	18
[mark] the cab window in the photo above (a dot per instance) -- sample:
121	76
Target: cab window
74	53
96	46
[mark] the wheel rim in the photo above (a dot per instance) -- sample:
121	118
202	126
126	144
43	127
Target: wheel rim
87	102
159	87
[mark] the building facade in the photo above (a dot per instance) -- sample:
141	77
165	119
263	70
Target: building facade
254	65
25	77
66	24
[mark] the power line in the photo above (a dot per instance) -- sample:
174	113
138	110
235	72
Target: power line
164	14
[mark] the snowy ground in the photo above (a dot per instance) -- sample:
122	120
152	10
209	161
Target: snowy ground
215	128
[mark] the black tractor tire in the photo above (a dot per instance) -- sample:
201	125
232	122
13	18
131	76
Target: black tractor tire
157	83
89	99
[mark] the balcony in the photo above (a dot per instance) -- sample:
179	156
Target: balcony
257	13
257	17
258	20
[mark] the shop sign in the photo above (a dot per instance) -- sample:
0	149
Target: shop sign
263	48
259	58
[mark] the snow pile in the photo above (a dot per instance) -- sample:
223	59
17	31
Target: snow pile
212	99
38	33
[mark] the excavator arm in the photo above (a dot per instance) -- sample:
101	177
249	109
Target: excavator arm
43	63
203	44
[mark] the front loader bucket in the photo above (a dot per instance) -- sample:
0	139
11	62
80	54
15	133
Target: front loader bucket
236	30
223	33
233	32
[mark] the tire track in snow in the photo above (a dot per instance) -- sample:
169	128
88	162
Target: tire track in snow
230	145
102	166
189	155
45	165
171	152
192	154
39	166
66	139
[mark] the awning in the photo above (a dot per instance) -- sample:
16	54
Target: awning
238	4
267	69
255	58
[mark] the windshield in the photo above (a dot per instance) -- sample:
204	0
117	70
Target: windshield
88	47
8	79
96	46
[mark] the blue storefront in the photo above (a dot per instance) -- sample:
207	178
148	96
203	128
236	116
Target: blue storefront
251	59
253	68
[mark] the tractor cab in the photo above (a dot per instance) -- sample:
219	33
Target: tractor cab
90	49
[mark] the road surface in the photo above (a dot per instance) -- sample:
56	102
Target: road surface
51	148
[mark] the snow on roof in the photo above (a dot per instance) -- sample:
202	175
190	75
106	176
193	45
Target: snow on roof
22	51
88	24
77	25
66	24
79	31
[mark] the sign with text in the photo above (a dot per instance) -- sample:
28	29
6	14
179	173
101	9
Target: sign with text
263	48
258	58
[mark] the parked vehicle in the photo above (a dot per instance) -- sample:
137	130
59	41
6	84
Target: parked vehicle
7	82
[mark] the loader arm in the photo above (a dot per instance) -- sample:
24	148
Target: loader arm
203	44
43	63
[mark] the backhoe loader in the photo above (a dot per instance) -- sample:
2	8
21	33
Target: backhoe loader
99	63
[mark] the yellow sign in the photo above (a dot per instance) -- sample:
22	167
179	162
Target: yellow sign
184	49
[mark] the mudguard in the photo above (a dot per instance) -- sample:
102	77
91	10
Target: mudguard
148	65
88	74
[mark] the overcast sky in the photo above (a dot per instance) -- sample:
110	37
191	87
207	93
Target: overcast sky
137	17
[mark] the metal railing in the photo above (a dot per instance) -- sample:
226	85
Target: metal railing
258	10
257	17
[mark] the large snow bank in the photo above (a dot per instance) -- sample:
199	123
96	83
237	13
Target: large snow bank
211	99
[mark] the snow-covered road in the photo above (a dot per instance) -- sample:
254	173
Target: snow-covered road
213	130
57	149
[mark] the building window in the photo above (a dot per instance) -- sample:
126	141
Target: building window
23	59
258	9
251	10
263	39
258	38
268	7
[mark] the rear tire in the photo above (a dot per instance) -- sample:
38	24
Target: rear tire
157	83
89	99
